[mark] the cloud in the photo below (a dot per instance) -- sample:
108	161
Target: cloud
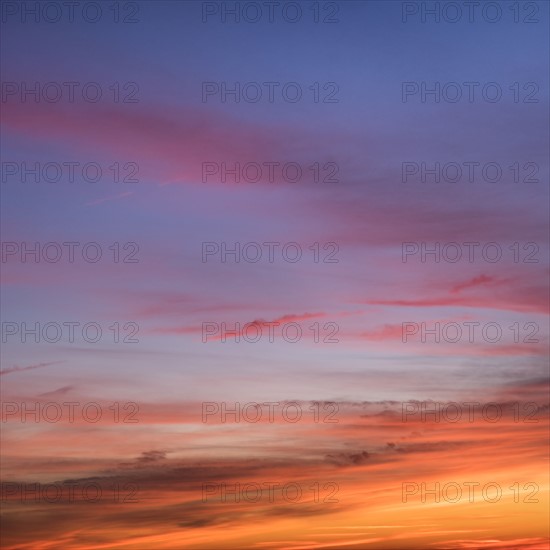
349	459
151	456
109	199
16	368
59	391
517	296
231	332
171	143
472	283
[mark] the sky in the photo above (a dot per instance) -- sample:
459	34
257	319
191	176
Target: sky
274	275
